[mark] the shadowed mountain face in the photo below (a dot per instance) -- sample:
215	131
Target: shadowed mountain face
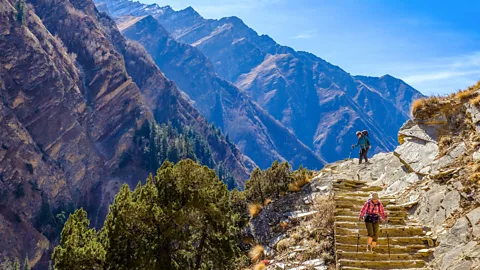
73	107
321	103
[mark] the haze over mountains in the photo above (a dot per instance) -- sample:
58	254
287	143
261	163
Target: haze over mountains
320	103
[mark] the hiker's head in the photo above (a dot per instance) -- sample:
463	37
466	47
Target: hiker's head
375	197
359	134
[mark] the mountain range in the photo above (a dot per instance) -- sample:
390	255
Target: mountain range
87	105
319	102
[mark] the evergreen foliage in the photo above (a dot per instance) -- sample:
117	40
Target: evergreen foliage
180	219
16	264
25	264
20	7
80	246
270	183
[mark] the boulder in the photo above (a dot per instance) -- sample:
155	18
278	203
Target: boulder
436	204
412	129
474	113
474	218
417	155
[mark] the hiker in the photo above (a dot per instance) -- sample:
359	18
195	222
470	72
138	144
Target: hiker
364	143
372	213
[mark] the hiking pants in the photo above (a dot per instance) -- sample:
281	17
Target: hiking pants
363	155
372	230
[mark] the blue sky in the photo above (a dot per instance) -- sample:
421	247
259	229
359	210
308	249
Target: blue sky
432	45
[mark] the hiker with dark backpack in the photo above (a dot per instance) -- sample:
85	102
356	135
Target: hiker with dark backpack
372	213
364	143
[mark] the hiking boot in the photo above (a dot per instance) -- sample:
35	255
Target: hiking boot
369	248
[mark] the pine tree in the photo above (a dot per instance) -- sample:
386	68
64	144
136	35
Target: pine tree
6	265
185	204
26	265
79	246
16	264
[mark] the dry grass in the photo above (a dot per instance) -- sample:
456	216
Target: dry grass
254	209
267	201
476	168
464	95
303	181
256	253
292	187
326	212
425	107
285	243
475	178
260	266
475	101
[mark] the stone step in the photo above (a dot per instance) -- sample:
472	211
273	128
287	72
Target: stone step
367	256
385	264
391	220
348	212
340	197
392	231
355	188
354	225
339	182
408	249
359	204
358	207
382	240
358	268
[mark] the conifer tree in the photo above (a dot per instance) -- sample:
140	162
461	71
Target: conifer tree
26	266
16	264
79	246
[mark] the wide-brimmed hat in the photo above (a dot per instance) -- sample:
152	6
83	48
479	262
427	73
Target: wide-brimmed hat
358	132
374	196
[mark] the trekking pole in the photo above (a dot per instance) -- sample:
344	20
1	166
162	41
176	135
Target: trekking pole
388	239
349	156
358	237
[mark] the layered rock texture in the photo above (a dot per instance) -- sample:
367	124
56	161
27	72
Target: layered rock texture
72	105
429	186
322	104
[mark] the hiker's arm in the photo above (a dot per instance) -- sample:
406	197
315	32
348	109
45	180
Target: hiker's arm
363	211
382	212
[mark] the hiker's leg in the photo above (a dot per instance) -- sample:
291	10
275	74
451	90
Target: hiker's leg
369	233
360	158
376	227
366	155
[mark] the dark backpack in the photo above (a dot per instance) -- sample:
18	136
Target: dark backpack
365	133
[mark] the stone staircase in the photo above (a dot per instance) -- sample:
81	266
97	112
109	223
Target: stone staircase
409	245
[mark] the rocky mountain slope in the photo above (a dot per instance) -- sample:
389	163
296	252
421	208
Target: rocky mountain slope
321	103
258	135
429	184
74	104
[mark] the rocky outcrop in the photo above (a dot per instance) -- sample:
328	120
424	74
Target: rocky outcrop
427	187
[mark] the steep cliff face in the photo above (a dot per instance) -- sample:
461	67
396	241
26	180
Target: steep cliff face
69	113
257	134
302	91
